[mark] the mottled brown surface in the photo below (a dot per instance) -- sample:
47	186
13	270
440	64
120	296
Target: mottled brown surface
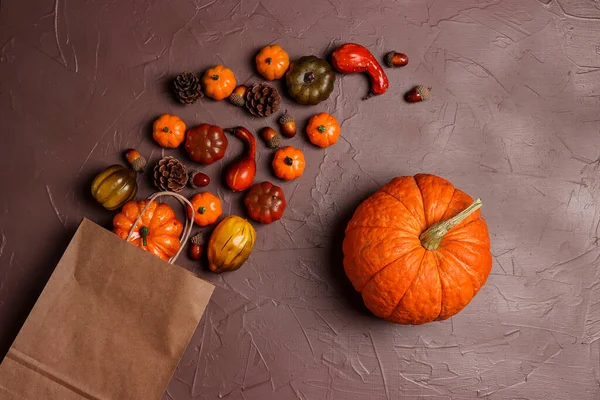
514	118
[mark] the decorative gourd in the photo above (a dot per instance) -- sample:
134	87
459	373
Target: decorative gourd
208	208
114	186
417	250
310	80
169	131
323	130
218	82
272	62
288	163
157	232
230	244
206	143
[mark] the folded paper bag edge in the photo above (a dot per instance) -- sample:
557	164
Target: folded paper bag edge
38	368
146	253
203	288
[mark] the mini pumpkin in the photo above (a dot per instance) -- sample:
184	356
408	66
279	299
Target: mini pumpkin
157	232
206	143
272	62
169	131
218	82
323	130
417	250
288	163
208	208
310	80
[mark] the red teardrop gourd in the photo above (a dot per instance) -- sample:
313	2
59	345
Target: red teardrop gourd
417	250
240	174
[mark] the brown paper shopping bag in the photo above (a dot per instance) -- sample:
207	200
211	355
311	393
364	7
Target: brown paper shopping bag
112	323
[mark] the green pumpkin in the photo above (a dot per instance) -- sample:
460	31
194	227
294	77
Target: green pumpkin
114	186
310	80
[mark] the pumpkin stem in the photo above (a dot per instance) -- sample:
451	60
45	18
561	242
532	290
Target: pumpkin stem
432	237
288	160
215	77
309	77
322	129
268	60
144	231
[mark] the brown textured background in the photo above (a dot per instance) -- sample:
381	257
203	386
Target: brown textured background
514	119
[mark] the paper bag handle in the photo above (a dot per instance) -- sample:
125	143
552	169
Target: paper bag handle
189	221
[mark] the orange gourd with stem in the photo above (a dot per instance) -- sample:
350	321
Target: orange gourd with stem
288	163
272	62
157	232
218	82
323	130
417	250
208	208
169	131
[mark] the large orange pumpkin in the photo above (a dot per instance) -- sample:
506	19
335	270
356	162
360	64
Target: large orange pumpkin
417	250
157	232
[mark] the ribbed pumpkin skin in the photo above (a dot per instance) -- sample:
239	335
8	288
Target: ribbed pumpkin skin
163	227
398	278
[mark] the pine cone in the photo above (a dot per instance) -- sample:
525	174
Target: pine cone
262	100
187	88
170	174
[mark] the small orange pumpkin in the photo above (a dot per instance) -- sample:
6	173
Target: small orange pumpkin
417	250
218	82
169	131
272	62
288	163
157	232
208	208
323	130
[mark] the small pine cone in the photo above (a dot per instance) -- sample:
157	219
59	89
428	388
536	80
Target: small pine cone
187	88
170	174
262	100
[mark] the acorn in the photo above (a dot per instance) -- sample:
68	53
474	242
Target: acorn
237	98
196	246
418	93
394	59
288	125
271	137
199	179
137	162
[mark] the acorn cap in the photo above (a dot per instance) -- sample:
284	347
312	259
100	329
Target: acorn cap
275	142
237	100
389	59
139	164
424	92
198	239
285	118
